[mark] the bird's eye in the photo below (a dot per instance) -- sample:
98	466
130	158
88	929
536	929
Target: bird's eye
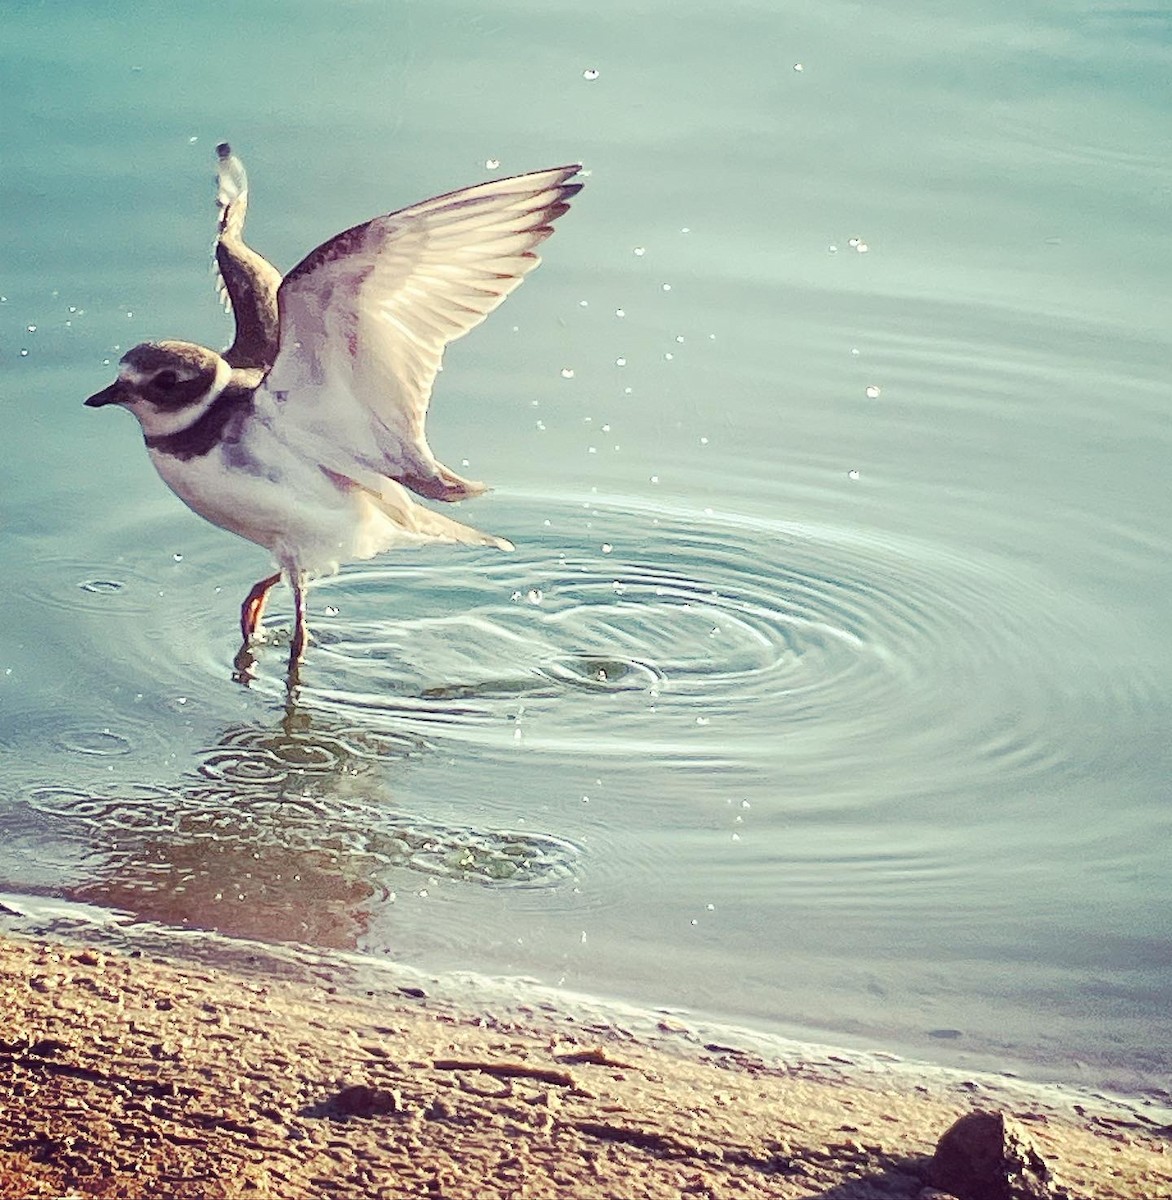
166	380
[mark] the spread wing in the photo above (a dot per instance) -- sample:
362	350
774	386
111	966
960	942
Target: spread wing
247	283
365	318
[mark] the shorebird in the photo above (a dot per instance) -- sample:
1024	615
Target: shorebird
306	436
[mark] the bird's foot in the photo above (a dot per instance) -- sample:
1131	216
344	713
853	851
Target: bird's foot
244	665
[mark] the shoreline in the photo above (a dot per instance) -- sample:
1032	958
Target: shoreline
137	1067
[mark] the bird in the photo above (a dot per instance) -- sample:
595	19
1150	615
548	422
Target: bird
306	436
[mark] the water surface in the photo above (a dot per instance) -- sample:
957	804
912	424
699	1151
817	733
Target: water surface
826	689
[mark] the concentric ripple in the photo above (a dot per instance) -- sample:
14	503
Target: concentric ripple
620	628
75	584
249	756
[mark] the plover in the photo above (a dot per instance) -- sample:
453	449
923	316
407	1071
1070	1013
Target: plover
306	436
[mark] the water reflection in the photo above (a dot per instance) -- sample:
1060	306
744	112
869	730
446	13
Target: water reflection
282	832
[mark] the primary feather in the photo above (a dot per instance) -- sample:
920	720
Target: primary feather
365	319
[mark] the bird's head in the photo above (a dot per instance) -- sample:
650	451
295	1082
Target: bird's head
167	385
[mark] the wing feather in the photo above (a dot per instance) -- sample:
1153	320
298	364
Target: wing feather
365	318
246	282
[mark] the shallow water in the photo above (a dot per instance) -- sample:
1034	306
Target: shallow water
826	689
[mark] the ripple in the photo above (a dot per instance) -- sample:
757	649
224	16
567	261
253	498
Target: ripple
154	833
254	757
126	808
603	674
103	743
77	584
712	638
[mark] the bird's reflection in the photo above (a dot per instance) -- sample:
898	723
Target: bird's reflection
289	832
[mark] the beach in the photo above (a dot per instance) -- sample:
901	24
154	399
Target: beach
136	1070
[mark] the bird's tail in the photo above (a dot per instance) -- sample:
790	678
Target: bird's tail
394	519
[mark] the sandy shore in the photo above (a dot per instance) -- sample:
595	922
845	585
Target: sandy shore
132	1073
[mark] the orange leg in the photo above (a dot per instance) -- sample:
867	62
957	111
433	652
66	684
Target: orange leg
253	607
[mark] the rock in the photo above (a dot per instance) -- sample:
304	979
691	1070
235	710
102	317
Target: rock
987	1156
359	1100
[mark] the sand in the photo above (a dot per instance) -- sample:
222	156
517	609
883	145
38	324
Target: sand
131	1073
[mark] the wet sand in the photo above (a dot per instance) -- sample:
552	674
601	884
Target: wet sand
133	1073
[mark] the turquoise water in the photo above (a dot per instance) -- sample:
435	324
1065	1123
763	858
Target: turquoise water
826	690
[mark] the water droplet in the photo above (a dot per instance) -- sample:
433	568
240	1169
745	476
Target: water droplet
872	393
591	73
567	372
853	475
491	164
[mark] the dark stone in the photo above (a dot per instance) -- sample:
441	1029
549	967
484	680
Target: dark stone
360	1100
986	1156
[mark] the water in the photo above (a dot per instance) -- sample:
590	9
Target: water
827	688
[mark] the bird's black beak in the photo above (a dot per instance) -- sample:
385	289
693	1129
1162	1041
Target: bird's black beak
111	395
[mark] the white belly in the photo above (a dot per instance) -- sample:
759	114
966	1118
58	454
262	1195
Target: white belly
291	507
